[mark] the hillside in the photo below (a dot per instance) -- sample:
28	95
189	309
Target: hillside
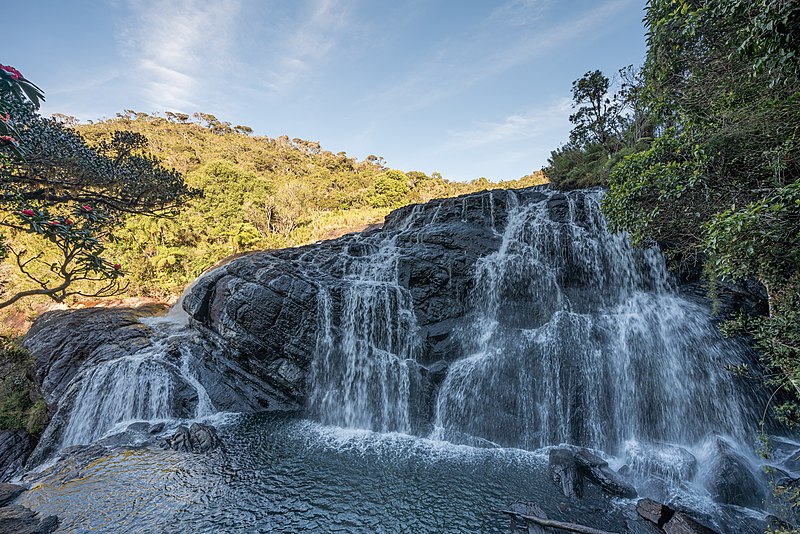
254	192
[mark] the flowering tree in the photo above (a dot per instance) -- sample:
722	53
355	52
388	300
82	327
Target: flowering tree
61	200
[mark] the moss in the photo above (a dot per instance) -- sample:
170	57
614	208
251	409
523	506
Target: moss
21	403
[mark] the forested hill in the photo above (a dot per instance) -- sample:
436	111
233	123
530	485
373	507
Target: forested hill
257	193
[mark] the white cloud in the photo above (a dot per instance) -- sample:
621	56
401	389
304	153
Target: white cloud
514	128
178	48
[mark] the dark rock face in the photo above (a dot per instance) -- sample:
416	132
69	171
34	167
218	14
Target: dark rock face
731	481
265	306
198	438
15	446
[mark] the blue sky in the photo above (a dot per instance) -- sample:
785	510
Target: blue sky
467	88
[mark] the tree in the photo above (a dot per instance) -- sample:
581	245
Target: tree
597	117
62	200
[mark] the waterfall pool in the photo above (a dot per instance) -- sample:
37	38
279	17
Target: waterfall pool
279	473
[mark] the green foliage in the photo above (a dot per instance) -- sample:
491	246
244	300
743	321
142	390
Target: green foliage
21	405
723	177
654	193
389	189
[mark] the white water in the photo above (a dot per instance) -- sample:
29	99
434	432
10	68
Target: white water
360	376
578	338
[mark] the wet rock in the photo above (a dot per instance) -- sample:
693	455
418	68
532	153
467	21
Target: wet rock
683	524
198	438
568	468
655	512
730	479
597	470
670	520
15	446
9	492
21	520
564	471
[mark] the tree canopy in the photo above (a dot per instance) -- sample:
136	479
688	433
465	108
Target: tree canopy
62	200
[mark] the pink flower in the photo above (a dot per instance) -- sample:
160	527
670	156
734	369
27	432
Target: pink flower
12	71
117	266
28	213
6	118
87	208
68	222
52	223
8	140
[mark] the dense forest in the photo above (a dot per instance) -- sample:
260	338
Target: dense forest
700	151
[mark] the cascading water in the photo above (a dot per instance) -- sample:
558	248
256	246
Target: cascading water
361	373
149	384
576	337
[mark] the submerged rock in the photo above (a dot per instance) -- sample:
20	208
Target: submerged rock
198	438
662	460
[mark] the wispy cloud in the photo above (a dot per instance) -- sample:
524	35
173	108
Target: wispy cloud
446	75
176	46
308	43
520	12
516	127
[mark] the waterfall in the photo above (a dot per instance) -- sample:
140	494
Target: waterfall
576	337
365	355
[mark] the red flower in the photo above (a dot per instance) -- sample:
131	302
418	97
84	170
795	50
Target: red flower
117	266
28	213
6	118
52	223
12	71
87	208
68	222
8	140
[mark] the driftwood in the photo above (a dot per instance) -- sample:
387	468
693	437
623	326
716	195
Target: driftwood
549	523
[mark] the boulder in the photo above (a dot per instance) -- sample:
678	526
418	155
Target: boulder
669	520
731	480
598	471
564	471
569	466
